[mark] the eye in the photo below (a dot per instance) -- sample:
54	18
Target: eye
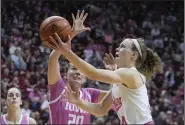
10	95
122	46
17	95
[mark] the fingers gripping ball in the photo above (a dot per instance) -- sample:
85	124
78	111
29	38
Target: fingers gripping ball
54	24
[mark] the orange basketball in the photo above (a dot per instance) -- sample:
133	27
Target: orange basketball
55	24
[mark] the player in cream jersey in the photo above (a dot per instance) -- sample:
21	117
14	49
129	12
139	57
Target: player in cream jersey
130	100
132	105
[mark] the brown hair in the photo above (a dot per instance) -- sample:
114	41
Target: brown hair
15	88
68	67
150	62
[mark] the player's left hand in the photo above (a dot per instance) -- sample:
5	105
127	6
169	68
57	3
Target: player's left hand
59	45
109	62
78	26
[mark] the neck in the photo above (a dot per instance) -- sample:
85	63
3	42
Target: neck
130	65
75	89
13	114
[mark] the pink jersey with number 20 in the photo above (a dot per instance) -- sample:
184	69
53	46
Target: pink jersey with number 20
62	112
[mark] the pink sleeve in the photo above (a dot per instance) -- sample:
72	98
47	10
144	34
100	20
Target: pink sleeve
94	94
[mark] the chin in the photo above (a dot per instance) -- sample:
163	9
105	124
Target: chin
14	105
77	83
117	63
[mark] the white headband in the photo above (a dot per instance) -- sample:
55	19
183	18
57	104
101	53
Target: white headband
137	46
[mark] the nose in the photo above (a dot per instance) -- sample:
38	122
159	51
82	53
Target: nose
14	98
117	49
77	74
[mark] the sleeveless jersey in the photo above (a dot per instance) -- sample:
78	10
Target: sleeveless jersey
23	120
132	105
67	113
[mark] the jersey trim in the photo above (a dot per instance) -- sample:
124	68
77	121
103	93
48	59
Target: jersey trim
50	115
7	121
55	100
28	119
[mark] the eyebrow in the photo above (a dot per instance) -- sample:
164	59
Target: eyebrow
15	93
122	44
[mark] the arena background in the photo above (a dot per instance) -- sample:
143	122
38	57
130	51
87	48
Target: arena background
24	59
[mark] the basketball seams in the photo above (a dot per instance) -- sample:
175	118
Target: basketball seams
53	22
57	32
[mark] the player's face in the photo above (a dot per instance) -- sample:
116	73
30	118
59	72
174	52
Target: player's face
75	78
14	98
124	53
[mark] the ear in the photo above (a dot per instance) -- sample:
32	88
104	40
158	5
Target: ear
6	102
83	76
84	79
134	55
21	102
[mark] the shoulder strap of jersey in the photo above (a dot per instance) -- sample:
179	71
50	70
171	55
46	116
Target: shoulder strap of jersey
141	75
87	93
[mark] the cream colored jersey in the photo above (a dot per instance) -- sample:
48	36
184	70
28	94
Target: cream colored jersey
132	105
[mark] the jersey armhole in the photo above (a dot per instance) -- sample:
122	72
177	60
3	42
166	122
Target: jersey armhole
143	78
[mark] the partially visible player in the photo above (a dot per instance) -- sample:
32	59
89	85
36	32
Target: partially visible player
136	63
65	112
14	115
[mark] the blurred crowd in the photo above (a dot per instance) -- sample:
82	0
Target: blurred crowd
24	59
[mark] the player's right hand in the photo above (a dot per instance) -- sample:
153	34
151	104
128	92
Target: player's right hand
70	96
59	45
109	62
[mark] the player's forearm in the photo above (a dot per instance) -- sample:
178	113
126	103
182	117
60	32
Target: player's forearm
92	108
53	67
84	67
102	75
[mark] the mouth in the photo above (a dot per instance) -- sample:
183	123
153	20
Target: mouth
14	102
77	78
116	55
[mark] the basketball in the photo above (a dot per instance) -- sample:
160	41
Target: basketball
54	24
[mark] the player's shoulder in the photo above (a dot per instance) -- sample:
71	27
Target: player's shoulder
57	83
32	121
2	115
87	90
127	72
3	119
135	78
93	91
90	89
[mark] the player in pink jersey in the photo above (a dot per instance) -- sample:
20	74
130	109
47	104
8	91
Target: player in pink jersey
136	64
14	115
65	112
